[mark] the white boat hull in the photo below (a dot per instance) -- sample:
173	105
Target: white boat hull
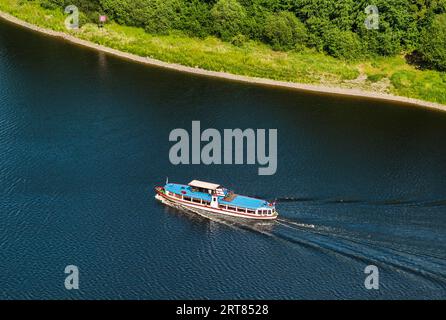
173	202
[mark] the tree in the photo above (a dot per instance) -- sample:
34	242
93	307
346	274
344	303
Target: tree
89	9
155	16
433	43
284	31
229	18
334	26
196	18
163	16
397	28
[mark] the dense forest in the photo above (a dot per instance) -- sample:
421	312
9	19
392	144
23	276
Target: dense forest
416	28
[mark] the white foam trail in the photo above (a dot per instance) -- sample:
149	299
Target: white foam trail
287	222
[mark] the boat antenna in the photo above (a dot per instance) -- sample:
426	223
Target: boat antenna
167	180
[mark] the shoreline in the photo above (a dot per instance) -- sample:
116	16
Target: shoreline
224	75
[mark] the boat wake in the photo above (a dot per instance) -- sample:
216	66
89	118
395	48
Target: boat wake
338	242
366	250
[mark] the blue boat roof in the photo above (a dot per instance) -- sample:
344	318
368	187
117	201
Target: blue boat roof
187	191
245	202
238	201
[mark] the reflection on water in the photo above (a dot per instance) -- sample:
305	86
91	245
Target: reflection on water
210	219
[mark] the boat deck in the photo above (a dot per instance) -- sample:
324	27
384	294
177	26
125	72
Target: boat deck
234	199
245	202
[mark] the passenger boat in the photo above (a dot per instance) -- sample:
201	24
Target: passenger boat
214	199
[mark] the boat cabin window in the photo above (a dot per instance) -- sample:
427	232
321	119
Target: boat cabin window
240	210
206	203
222	206
196	200
196	189
251	211
187	199
231	208
178	196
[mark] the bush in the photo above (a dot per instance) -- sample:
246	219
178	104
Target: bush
239	40
229	18
342	44
384	42
88	9
402	79
123	11
163	16
433	43
155	16
376	77
195	18
284	31
397	26
48	4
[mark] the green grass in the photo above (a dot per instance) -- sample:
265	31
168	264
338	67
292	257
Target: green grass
252	59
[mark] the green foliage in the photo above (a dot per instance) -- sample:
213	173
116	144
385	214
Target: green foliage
195	18
89	9
161	16
239	40
155	16
433	43
229	18
335	27
284	31
342	44
397	30
48	4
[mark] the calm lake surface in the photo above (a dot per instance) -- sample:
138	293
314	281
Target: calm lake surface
84	139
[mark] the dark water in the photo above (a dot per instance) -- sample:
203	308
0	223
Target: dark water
84	138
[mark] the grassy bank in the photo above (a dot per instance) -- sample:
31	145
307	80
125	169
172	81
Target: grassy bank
382	75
